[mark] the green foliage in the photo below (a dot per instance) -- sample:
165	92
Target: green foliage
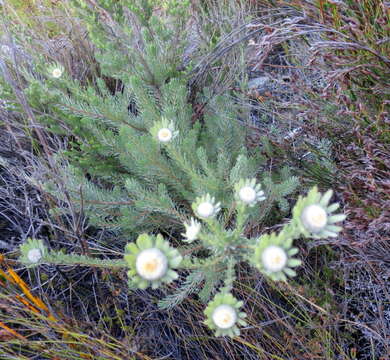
31	13
141	160
318	165
189	286
120	173
212	279
152	261
33	252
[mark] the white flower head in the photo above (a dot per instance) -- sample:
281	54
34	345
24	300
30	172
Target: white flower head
32	251
314	217
34	255
164	135
192	230
5	49
248	192
206	207
274	258
56	73
164	131
151	261
224	316
151	264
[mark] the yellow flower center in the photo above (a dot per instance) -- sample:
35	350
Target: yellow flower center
277	259
319	219
226	319
150	266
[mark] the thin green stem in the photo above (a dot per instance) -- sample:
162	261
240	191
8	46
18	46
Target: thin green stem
65	259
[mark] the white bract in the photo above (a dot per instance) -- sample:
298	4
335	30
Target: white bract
34	255
56	73
192	230
247	194
224	316
151	264
205	209
5	49
274	258
314	218
164	135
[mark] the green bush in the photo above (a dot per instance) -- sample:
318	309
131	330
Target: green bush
142	160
